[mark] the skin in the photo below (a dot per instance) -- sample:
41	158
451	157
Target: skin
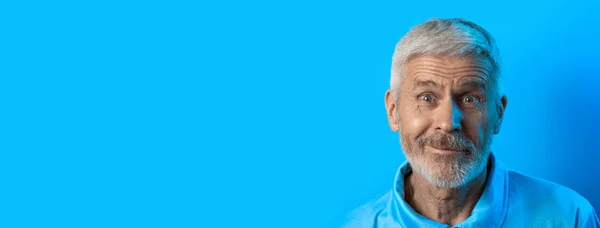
445	96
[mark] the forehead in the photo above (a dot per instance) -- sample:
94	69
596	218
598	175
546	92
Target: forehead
444	68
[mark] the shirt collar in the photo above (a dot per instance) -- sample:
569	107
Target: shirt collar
489	211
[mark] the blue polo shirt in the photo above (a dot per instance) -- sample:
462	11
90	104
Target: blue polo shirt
510	199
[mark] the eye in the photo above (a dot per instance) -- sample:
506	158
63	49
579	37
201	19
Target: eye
470	99
427	98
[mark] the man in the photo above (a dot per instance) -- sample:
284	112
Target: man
445	101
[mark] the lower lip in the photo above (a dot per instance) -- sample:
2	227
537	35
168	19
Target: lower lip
442	151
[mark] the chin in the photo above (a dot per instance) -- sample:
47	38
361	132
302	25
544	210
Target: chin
448	180
450	172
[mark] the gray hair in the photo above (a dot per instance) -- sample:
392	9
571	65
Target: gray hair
445	37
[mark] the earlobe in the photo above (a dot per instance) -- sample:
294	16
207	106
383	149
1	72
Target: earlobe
500	109
498	120
390	107
497	126
394	125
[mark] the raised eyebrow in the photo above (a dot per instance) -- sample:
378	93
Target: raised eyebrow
473	83
424	83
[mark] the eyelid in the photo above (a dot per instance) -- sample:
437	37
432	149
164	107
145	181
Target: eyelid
476	96
426	93
433	96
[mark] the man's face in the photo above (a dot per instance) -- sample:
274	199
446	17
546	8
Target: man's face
447	113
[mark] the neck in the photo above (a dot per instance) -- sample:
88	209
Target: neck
445	205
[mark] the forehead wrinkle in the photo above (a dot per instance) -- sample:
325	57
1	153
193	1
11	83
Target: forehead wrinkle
453	70
460	74
479	64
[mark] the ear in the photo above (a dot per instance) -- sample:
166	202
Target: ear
500	108
392	113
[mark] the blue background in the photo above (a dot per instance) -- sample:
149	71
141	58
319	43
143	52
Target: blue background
258	113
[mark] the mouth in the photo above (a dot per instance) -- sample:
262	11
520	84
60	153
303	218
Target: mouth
445	151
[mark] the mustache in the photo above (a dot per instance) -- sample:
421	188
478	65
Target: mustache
457	142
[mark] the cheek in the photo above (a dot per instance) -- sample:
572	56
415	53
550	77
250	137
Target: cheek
413	125
475	128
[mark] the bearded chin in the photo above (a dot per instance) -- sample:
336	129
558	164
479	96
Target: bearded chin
447	171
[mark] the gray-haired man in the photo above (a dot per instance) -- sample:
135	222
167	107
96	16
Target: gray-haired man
446	101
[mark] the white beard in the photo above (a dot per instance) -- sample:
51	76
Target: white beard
449	171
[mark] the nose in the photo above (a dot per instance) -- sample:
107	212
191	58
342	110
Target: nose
448	117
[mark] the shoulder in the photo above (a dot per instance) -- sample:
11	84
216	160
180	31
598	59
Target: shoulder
365	215
540	197
539	189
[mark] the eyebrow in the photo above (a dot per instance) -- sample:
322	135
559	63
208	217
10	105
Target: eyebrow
425	83
473	83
